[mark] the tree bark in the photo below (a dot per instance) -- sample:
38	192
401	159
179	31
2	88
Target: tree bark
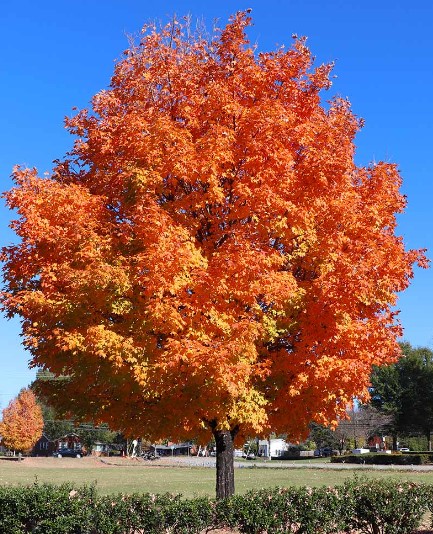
225	475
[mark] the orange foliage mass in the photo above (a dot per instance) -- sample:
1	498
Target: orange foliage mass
22	423
209	252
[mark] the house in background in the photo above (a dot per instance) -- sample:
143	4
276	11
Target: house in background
46	447
273	448
70	441
43	447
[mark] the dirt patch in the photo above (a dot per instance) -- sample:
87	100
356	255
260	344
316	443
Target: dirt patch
86	462
51	462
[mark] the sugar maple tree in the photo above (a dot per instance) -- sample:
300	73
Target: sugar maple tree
22	423
209	257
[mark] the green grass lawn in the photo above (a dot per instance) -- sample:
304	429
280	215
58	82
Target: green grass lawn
188	481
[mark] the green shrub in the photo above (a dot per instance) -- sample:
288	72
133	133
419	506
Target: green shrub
321	510
47	509
50	509
306	510
385	459
384	506
256	512
189	516
117	514
374	507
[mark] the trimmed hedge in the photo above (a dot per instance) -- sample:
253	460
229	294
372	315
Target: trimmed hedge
385	506
306	510
385	459
46	509
373	506
50	509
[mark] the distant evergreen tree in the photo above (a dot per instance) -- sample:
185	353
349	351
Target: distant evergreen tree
404	390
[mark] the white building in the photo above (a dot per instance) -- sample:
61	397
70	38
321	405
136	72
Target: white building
272	448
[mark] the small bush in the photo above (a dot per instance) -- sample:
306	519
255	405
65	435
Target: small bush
189	516
118	514
46	509
258	511
306	510
384	506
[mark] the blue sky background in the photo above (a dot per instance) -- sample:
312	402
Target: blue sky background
57	54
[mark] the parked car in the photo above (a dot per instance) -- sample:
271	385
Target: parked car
327	451
70	453
404	449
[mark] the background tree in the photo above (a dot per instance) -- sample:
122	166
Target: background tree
324	436
386	396
22	422
416	376
55	428
404	390
57	425
364	423
344	436
354	430
209	258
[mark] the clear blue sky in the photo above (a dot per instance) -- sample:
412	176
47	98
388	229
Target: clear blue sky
56	55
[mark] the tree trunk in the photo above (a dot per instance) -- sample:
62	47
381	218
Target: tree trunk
225	475
394	442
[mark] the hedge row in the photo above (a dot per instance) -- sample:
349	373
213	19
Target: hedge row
385	459
382	507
